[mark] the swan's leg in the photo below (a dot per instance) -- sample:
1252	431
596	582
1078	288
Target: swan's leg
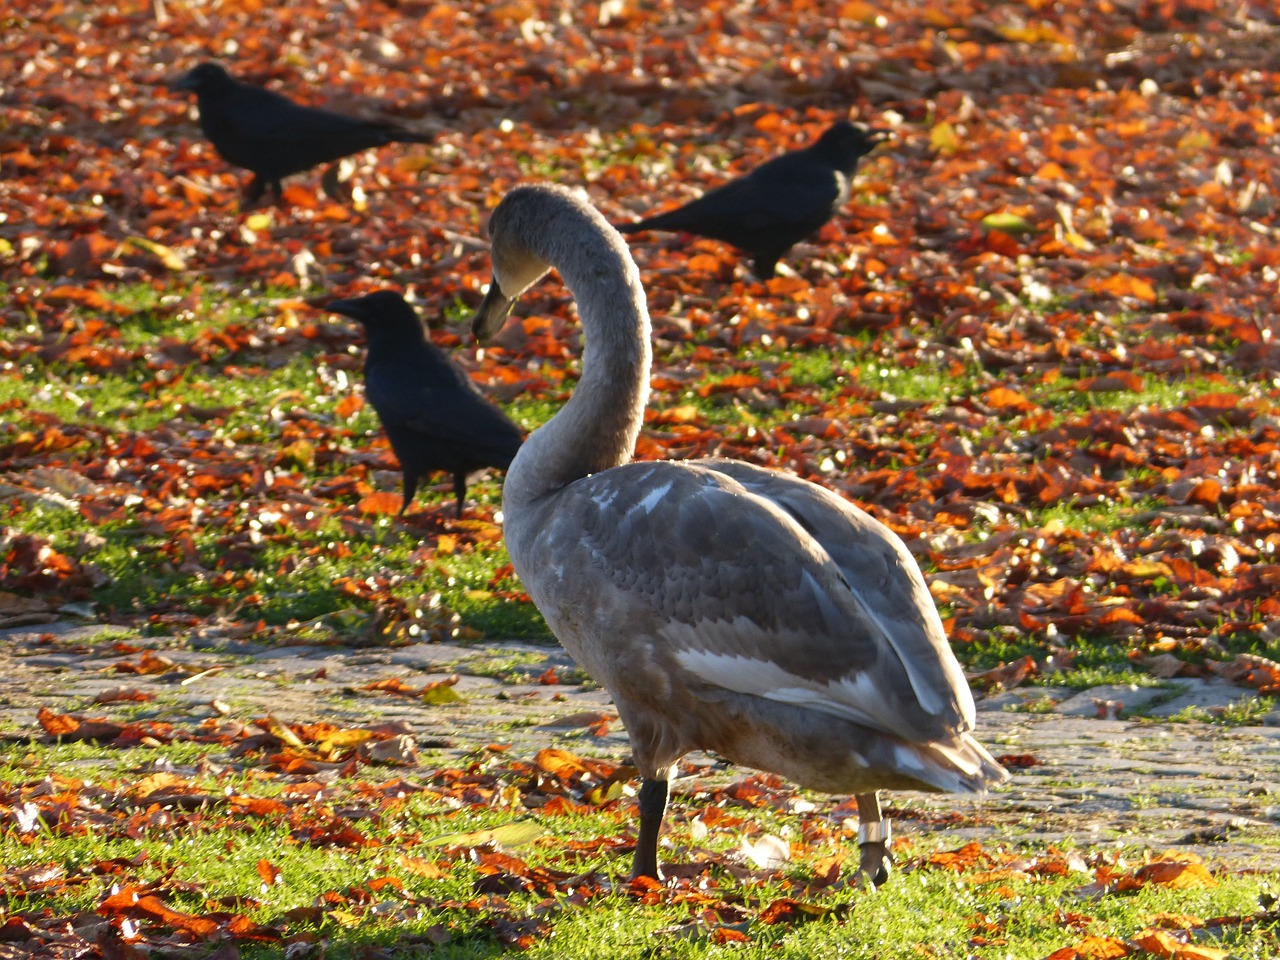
653	806
873	840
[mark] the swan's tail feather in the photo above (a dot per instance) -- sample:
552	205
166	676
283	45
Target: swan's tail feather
962	765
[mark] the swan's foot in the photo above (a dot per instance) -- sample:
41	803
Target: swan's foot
875	859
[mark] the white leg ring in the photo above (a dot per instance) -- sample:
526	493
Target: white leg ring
880	832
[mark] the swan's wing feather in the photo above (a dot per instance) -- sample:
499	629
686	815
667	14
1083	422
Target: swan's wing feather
881	570
729	587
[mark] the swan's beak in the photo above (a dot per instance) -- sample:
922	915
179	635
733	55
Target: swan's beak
492	313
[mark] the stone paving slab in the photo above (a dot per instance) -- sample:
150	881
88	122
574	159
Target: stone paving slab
1209	788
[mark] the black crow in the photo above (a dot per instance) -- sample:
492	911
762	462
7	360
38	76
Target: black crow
767	211
270	135
434	416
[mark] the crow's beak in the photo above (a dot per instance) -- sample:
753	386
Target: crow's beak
350	307
492	313
183	82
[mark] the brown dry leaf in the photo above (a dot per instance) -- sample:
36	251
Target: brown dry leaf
382	503
786	910
392	685
1102	948
349	406
1127	285
57	724
1177	871
960	859
428	869
1249	670
399	751
124	694
1162	943
583	718
1176	921
1163	665
1116	382
269	873
156	781
1003	398
1006	676
560	764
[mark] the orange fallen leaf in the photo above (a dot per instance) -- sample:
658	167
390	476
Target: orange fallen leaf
561	764
1102	948
1170	946
1174	874
381	503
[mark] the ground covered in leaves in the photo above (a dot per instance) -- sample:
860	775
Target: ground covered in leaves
1040	341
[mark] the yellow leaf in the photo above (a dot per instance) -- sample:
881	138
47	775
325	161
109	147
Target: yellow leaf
281	732
442	692
300	454
1008	222
944	139
342	739
605	793
519	833
169	258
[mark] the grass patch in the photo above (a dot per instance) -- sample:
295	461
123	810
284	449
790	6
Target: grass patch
368	868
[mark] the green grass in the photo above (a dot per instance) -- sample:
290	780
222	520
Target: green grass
415	875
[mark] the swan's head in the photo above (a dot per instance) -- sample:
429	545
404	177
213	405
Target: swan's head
520	215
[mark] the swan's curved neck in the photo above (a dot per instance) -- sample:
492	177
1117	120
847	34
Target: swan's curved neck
597	428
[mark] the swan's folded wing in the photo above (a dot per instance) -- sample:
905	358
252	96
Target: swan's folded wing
886	577
728	587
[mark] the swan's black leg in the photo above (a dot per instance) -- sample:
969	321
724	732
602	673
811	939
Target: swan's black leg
653	806
874	837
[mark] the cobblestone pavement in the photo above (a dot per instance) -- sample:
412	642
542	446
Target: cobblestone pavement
1210	788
